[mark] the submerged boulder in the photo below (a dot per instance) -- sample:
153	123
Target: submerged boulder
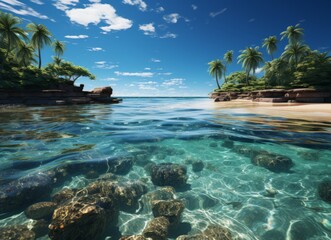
23	191
324	190
125	194
41	210
157	228
18	232
169	174
197	166
133	237
212	232
64	195
171	209
273	162
247	151
40	228
84	218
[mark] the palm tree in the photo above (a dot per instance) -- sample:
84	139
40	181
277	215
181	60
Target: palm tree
294	53
293	34
40	37
250	59
57	61
25	54
228	57
216	69
58	48
10	32
270	44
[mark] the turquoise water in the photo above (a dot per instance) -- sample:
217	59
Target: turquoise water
230	190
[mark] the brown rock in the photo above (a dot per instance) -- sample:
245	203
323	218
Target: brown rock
133	237
157	228
18	232
171	209
41	210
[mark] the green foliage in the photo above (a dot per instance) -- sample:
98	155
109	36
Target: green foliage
293	33
270	44
17	54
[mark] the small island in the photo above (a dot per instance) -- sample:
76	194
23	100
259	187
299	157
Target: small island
300	74
21	82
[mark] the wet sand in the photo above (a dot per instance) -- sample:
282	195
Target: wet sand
318	112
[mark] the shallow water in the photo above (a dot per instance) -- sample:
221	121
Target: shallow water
230	191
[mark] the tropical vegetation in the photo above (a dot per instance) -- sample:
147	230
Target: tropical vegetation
19	49
298	66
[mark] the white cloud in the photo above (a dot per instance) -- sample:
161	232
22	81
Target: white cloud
105	65
76	36
150	85
134	74
214	14
165	74
110	79
20	8
142	5
147	69
95	49
171	18
169	35
148	29
160	9
96	13
155	60
195	7
173	82
258	70
37	2
65	4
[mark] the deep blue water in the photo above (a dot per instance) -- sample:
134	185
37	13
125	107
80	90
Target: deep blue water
176	130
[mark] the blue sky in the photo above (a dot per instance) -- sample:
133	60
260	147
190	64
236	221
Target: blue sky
161	48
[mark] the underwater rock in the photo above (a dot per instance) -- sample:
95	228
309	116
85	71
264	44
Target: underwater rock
217	232
124	194
171	209
273	162
163	193
212	232
247	151
23	191
84	218
197	166
213	144
169	174
133	237
149	166
18	232
41	210
121	166
324	190
91	174
157	228
228	144
63	195
40	228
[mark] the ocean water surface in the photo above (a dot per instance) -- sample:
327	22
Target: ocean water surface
251	201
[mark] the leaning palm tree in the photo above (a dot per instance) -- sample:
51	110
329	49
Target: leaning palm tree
250	59
25	54
40	37
10	33
294	53
293	34
270	44
58	48
216	69
228	57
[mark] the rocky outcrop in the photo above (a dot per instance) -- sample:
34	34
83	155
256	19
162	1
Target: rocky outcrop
169	174
324	191
197	166
212	232
157	228
41	210
171	209
133	237
272	162
103	91
23	191
83	218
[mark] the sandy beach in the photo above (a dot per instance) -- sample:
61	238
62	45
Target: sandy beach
319	112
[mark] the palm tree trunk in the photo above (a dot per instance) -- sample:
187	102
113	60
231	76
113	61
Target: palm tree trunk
272	56
247	75
7	53
217	82
39	55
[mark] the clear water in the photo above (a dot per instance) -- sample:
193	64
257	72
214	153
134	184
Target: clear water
182	129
